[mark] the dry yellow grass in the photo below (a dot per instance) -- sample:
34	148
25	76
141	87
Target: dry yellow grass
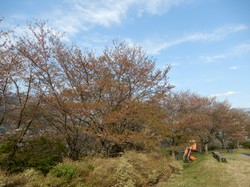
130	170
139	169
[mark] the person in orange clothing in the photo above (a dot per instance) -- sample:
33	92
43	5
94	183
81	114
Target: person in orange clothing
187	153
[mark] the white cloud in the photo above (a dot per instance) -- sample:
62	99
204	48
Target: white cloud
161	6
225	94
212	58
174	64
83	15
234	67
240	49
232	52
75	16
80	15
154	46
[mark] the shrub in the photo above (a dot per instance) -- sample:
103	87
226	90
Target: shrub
246	145
132	169
65	171
165	151
6	147
214	147
40	153
86	169
72	169
231	145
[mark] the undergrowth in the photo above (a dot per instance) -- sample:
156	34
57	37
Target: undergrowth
131	169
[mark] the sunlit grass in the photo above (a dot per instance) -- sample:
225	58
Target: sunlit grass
208	172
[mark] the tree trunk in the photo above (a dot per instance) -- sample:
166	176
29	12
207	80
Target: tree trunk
222	144
173	154
205	148
237	144
74	154
74	151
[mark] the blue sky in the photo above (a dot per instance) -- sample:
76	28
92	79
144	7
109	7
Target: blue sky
207	42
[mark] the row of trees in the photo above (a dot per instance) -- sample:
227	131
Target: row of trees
203	119
100	104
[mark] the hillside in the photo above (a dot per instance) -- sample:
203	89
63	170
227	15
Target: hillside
133	169
130	169
207	172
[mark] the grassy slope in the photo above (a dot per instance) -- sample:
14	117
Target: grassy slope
131	169
137	169
208	172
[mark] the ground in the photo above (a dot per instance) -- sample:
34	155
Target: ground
139	169
208	172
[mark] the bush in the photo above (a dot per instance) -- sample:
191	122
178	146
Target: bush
214	147
246	145
7	162
72	169
165	151
132	169
65	171
40	153
6	147
231	145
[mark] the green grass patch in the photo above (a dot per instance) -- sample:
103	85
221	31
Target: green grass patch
206	171
65	171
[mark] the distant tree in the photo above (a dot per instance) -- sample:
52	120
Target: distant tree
231	125
186	118
197	122
248	125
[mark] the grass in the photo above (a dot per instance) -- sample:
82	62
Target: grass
208	172
139	169
131	169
